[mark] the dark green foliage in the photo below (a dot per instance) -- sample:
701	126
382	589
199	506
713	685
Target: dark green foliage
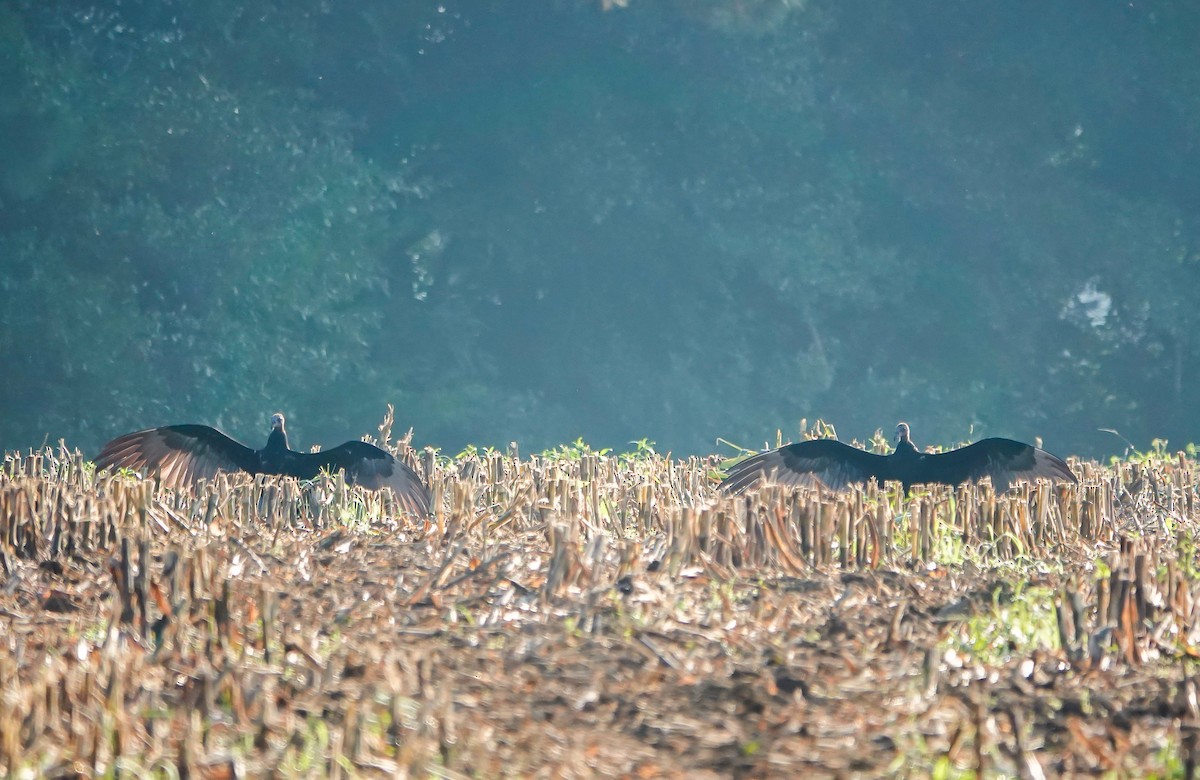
531	222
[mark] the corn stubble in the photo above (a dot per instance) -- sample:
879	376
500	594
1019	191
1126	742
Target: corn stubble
592	615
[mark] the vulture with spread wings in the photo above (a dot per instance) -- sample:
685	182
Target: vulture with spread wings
835	465
181	454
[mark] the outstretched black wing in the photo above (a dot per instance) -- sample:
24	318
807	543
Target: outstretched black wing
1004	460
369	466
818	461
177	455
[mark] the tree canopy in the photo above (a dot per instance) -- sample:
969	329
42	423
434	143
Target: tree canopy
536	221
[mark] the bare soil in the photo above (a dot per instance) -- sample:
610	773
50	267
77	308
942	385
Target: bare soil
595	616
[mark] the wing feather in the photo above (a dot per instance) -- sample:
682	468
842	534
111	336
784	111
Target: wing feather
373	468
1004	460
808	463
177	455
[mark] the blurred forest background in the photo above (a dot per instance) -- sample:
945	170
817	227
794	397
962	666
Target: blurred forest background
662	219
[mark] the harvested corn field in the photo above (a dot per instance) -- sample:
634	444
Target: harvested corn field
580	614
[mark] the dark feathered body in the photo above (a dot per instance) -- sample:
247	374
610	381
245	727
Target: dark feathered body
836	465
181	454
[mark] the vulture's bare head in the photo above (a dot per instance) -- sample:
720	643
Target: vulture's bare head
902	433
277	421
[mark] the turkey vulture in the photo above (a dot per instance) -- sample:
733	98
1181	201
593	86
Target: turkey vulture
833	464
181	454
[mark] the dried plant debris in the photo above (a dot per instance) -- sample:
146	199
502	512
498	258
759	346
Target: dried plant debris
583	615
